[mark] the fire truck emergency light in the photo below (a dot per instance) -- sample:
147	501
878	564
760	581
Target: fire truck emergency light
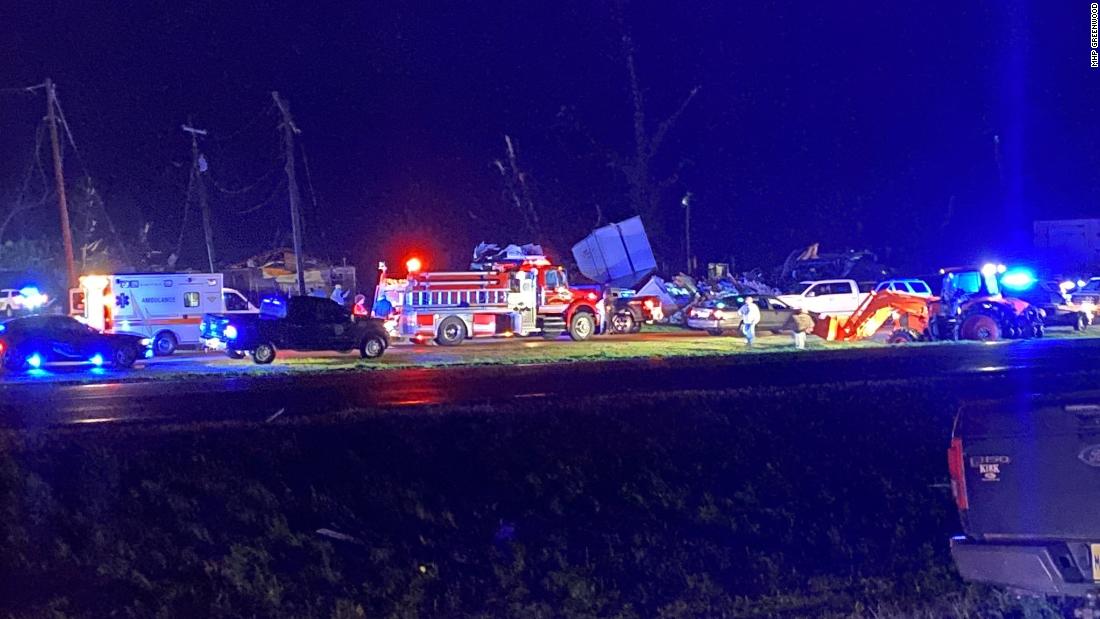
413	265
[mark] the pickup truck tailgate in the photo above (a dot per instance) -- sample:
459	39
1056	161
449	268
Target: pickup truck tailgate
1031	470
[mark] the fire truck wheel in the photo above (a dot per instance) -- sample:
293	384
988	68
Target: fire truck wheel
451	331
980	327
235	354
582	326
165	343
372	347
264	353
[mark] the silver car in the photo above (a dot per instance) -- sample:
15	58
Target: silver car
719	316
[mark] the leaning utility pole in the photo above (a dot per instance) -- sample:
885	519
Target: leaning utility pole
59	177
198	167
686	202
289	129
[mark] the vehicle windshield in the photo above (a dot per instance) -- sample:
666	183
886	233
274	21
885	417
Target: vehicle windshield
1093	285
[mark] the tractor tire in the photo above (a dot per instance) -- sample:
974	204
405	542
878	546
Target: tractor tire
451	331
715	332
165	343
581	326
264	353
124	357
372	347
622	322
903	336
980	328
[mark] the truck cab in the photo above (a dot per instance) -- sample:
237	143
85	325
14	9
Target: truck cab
298	323
827	297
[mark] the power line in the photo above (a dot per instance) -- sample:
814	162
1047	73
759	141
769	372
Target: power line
245	189
87	175
278	188
266	111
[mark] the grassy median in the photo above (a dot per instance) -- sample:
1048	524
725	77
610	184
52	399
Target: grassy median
824	502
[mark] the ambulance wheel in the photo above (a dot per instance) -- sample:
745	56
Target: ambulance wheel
372	347
451	331
235	354
165	343
124	357
582	326
264	353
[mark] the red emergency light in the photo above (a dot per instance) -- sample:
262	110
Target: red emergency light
413	265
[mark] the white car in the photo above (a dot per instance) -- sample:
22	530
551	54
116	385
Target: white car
916	287
13	301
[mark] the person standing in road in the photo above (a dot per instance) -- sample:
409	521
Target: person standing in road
750	316
802	324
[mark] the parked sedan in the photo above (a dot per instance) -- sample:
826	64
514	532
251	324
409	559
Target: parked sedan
718	316
35	341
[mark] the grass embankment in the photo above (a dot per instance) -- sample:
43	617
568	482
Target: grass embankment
825	502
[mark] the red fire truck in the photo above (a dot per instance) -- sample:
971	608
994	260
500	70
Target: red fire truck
508	297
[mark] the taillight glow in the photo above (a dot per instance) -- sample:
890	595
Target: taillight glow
956	468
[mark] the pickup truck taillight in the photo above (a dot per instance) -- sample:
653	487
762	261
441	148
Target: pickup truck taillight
956	467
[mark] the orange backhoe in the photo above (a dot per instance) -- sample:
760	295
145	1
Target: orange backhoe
908	312
971	307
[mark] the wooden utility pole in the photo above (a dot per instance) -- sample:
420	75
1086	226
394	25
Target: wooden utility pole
289	129
59	178
198	166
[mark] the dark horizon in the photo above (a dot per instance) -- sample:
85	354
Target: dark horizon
856	128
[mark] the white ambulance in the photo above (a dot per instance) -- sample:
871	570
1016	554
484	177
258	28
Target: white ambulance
166	307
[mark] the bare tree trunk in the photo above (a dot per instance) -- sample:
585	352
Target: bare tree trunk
518	191
645	190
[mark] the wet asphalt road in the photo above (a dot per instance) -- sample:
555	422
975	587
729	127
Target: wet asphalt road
1030	367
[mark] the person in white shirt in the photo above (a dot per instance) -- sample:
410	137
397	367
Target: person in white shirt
750	316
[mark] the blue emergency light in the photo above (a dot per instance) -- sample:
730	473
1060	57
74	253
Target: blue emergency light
1018	279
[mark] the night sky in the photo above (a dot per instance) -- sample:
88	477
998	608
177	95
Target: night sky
852	125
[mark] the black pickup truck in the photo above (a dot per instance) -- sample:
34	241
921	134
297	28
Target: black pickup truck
298	323
1026	480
